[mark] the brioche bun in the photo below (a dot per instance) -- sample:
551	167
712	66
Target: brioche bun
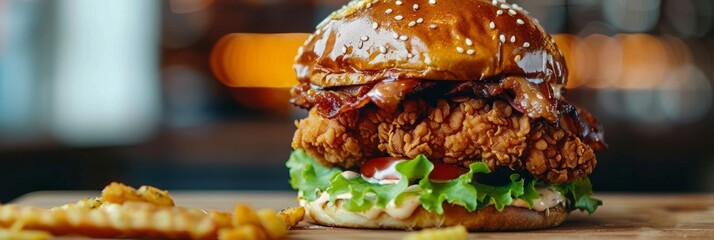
486	219
372	40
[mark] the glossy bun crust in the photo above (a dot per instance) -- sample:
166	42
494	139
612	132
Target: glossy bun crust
372	40
486	219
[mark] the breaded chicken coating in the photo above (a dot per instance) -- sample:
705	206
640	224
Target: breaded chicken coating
457	131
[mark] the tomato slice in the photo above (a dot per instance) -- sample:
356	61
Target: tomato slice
371	167
445	172
380	167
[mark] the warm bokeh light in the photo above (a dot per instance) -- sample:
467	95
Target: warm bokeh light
623	61
644	63
641	77
600	60
256	60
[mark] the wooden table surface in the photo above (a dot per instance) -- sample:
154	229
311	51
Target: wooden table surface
622	216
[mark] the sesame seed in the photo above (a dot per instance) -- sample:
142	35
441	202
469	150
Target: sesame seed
433	26
511	12
364	38
432	2
409	55
499	12
503	38
427	60
388	11
516	6
513	39
517	58
505	6
309	39
469	42
383	49
420	20
375	25
395	35
520	21
526	44
344	49
492	25
399	3
398	17
460	49
318	32
403	38
552	40
360	45
416	6
412	23
369	5
494	3
470	52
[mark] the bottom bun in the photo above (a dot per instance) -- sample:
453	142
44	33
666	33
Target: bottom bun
486	219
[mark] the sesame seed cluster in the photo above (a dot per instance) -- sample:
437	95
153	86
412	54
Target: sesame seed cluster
370	40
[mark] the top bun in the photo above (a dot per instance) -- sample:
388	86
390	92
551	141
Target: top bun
372	40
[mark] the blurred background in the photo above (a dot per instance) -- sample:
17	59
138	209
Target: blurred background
96	91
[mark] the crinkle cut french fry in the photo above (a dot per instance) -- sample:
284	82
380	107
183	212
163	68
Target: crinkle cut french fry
23	235
273	225
292	216
245	215
88	203
222	219
120	193
156	196
131	219
246	232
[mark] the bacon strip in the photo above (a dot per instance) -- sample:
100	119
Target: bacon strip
536	100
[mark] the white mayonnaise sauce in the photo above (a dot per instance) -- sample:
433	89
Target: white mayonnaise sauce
548	198
409	204
388	172
349	175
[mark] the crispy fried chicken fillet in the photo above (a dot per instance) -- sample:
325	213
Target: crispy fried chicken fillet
457	131
481	81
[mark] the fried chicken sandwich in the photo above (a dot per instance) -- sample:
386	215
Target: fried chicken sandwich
431	113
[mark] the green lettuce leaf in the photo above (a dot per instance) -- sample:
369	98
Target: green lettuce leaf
579	194
307	176
502	196
456	191
364	194
530	193
311	179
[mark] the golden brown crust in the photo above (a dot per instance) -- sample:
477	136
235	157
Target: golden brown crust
457	131
330	141
486	219
558	155
449	40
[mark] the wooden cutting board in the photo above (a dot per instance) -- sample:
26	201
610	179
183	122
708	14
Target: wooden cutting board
644	216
